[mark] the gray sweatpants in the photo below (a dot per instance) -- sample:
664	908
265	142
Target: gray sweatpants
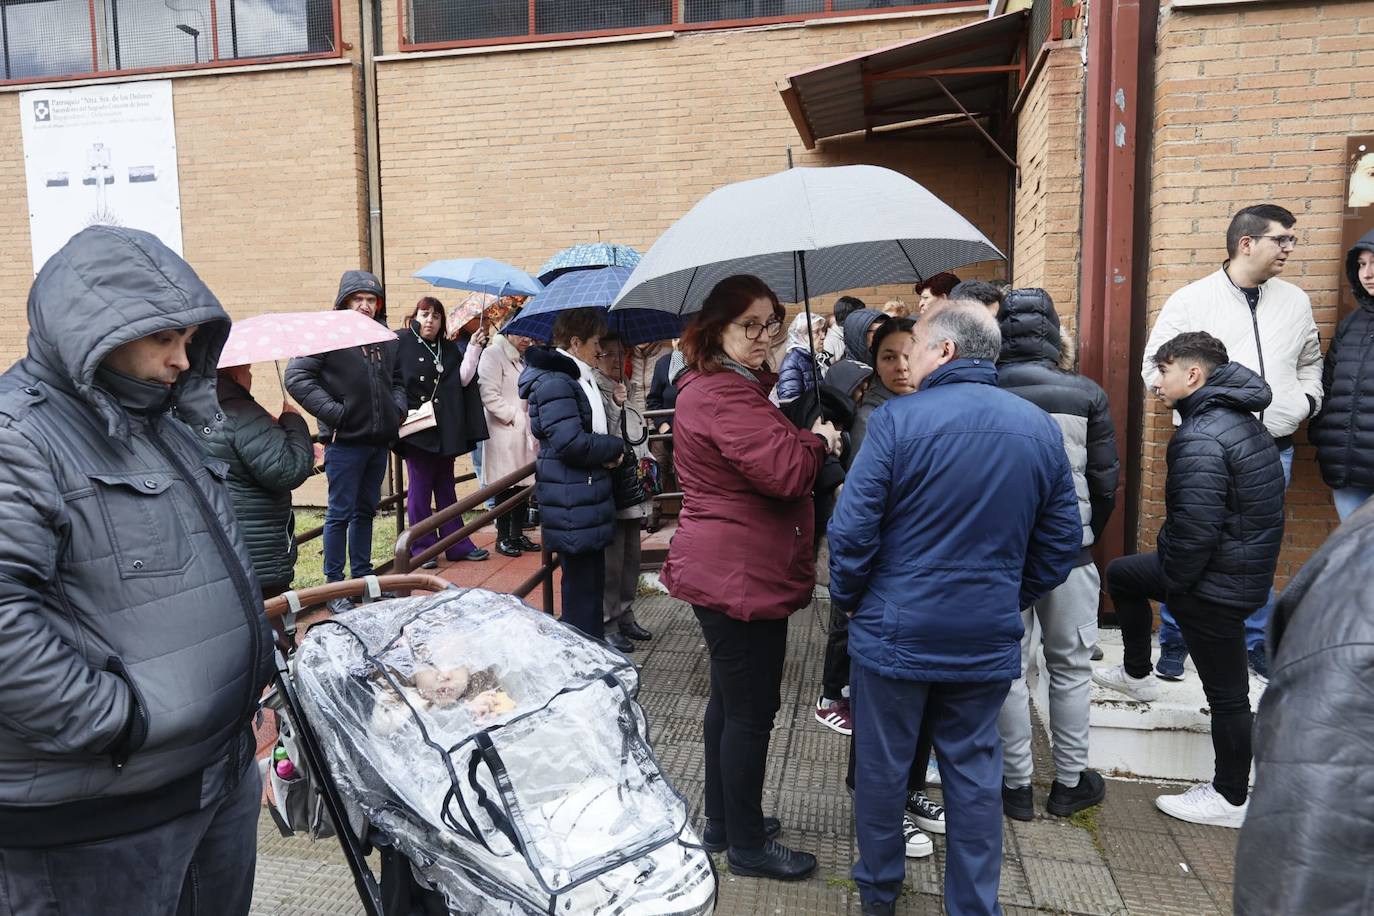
1068	629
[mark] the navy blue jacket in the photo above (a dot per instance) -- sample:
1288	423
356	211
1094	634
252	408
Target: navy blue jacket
958	512
797	374
573	486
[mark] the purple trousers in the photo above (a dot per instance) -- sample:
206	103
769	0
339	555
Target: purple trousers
432	489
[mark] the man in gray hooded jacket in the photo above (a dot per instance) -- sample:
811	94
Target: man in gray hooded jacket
135	647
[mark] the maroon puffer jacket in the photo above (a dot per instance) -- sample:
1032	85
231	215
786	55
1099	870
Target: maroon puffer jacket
745	535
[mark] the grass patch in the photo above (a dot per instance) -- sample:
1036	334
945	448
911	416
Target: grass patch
310	561
1087	820
834	881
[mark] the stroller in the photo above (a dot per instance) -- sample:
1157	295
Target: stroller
496	758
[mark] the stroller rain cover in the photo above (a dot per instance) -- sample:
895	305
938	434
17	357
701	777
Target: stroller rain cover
504	754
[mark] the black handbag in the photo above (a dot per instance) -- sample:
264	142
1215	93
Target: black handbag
626	485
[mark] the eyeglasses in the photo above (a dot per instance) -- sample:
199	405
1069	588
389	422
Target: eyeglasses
1283	241
753	330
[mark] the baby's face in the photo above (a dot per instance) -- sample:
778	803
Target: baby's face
441	686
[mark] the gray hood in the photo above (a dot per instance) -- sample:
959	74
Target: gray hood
108	286
856	334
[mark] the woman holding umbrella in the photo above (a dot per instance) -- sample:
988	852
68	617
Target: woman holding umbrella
441	373
742	555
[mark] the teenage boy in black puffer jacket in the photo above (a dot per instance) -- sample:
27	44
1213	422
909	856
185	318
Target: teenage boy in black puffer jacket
1218	549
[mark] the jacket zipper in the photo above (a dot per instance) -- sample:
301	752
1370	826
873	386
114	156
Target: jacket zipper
227	552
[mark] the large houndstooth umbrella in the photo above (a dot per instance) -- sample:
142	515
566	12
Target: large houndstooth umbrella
806	231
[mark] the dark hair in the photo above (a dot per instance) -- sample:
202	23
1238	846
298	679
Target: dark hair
940	284
729	299
885	330
1252	221
846	306
1196	347
978	291
583	323
434	305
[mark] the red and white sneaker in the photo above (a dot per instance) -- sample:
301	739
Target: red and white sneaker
834	715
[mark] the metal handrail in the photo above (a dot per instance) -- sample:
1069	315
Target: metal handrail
403	562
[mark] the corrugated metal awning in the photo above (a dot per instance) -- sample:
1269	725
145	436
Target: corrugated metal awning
970	72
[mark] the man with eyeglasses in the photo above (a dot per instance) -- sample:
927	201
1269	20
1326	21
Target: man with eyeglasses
1266	325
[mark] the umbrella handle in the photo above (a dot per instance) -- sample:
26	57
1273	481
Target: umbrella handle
280	381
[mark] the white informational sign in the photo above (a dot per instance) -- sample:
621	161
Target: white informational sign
100	155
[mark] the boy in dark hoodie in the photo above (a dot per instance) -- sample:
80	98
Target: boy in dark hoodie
358	398
1217	553
1344	430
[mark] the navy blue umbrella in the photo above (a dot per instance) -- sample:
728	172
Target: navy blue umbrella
596	288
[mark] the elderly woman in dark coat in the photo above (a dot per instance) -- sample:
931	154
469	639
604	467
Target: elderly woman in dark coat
576	454
442	372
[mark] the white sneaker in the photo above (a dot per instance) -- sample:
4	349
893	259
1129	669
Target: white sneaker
932	771
918	845
1145	689
1203	805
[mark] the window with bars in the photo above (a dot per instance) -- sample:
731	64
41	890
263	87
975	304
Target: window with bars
42	39
436	22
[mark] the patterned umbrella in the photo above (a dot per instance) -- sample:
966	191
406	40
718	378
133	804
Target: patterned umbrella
282	335
592	288
582	257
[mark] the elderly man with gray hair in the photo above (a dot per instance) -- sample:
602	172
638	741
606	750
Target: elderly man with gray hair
933	565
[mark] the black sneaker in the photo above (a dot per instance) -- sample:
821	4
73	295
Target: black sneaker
339	605
1171	659
774	860
929	816
1019	803
878	908
713	837
1066	800
1259	663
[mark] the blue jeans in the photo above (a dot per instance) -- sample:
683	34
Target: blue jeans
1348	499
355	474
1256	623
963	716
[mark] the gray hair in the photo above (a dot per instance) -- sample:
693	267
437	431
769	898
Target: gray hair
971	328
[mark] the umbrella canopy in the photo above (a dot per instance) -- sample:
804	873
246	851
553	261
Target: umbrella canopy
806	231
480	275
267	338
592	288
582	257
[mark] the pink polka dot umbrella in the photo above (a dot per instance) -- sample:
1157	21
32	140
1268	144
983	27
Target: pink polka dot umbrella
268	338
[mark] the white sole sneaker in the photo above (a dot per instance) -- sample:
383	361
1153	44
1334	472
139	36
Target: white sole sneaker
1143	690
918	845
1203	805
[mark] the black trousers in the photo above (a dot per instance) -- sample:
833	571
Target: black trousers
509	526
746	685
584	582
835	668
1215	637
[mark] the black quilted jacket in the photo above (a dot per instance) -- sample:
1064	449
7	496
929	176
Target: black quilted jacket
1344	431
1223	522
1306	845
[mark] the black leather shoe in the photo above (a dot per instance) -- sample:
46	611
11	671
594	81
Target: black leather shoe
635	631
619	643
774	860
713	837
476	555
508	548
878	908
1065	800
1019	803
526	544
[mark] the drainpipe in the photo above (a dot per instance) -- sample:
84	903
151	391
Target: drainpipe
1120	47
368	20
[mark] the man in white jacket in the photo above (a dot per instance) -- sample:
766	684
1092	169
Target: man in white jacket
1267	326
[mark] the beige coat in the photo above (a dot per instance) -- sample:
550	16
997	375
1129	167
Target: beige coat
642	361
510	445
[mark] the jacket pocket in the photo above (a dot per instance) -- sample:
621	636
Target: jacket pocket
144	525
136	731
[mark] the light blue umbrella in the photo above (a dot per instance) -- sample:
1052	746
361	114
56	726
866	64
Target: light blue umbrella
592	288
480	275
582	257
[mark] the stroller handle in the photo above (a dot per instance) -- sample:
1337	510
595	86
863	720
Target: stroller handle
350	588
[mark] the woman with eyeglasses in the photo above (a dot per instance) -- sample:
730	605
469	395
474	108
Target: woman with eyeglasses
572	476
742	555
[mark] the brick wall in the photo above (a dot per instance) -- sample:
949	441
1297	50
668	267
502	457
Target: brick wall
1253	104
517	154
1049	200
